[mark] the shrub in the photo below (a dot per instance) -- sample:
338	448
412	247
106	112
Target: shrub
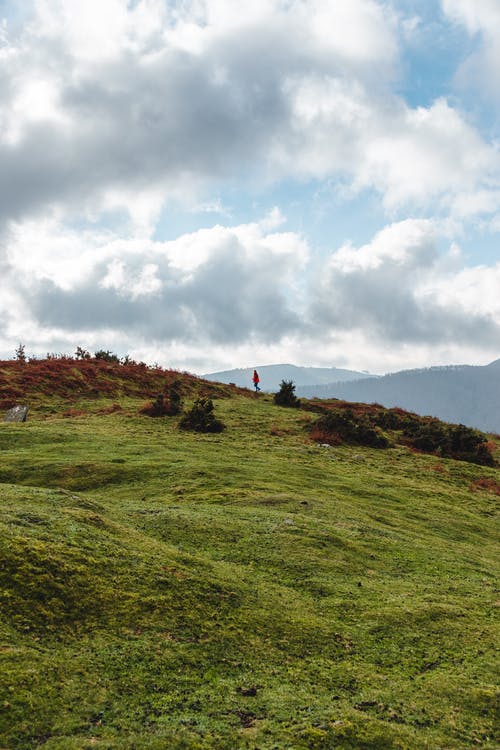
155	408
428	436
107	356
361	423
335	427
163	406
286	395
201	418
451	441
175	398
464	440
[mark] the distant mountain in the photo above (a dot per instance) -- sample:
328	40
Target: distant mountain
272	375
461	393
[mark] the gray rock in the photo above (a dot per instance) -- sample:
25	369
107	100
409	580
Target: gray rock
16	414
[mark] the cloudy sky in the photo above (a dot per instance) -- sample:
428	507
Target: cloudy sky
211	184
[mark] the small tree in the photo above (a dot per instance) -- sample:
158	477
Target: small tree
201	418
82	353
21	353
286	395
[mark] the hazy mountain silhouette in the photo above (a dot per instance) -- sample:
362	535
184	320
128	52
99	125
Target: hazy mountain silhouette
272	375
463	394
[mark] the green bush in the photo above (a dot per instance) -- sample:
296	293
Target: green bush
107	356
286	395
450	441
201	418
428	436
344	426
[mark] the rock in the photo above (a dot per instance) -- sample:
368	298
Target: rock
16	414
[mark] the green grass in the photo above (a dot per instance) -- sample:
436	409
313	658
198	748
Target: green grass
251	589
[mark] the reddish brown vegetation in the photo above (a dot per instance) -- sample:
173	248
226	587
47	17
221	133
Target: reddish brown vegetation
486	483
155	409
276	431
69	379
357	409
8	403
322	436
110	409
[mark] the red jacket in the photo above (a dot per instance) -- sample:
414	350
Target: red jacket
255	377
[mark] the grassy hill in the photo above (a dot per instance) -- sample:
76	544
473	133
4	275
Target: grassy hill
250	589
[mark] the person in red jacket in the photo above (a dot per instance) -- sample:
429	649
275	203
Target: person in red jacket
256	380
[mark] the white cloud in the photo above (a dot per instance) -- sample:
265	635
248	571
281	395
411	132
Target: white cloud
477	15
273	220
400	289
106	107
473	290
94	31
246	293
404	245
411	156
224	285
359	31
132	283
481	70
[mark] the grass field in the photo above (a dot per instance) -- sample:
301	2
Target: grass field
251	589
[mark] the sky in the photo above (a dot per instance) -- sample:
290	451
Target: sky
208	184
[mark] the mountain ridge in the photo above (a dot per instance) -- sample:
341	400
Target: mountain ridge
467	394
272	375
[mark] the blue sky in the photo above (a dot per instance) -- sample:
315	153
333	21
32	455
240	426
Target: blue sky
209	185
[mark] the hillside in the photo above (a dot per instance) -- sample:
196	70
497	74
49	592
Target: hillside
272	375
462	394
47	380
249	589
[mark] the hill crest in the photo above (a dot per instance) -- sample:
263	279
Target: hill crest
70	379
